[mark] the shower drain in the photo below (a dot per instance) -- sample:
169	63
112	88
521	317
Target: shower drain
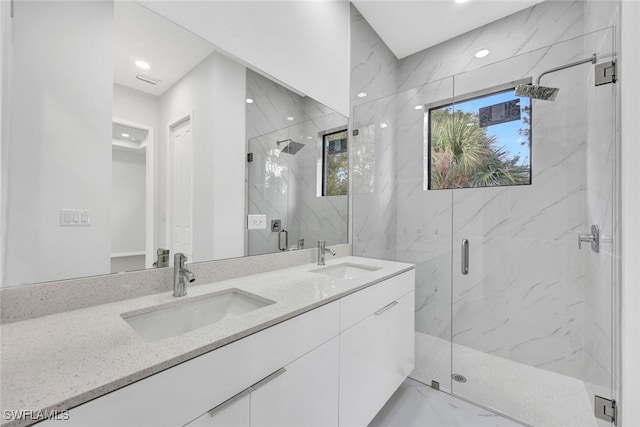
459	378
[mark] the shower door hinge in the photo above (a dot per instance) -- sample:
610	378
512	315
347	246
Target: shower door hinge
605	73
355	132
249	157
605	409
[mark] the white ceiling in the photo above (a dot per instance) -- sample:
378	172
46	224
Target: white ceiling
410	26
169	49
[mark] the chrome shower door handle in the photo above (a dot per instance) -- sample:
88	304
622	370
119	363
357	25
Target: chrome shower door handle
465	257
286	239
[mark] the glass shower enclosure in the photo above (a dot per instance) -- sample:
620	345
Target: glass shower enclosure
493	196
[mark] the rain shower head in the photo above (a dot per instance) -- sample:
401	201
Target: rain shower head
292	147
548	93
537	92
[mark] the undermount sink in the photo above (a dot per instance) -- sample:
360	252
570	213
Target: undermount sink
177	318
345	270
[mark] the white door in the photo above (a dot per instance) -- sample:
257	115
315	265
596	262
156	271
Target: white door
182	188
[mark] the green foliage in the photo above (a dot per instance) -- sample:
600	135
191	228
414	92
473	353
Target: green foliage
336	164
463	155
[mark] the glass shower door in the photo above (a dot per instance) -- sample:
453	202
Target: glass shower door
532	332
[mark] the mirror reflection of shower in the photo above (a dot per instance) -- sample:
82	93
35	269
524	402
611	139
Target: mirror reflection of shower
292	146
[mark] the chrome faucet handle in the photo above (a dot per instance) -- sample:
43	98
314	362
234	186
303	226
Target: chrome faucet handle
179	259
593	238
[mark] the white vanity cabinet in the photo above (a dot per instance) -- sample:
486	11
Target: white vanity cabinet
303	393
377	351
335	365
236	412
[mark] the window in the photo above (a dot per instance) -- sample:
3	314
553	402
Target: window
335	164
481	141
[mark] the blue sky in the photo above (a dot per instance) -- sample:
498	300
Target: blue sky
506	133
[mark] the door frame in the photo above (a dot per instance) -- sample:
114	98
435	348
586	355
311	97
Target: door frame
149	232
187	116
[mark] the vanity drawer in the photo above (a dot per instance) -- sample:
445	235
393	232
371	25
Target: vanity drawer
359	305
178	395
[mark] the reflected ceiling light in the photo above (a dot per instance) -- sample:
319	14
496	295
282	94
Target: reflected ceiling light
482	53
126	135
383	125
461	1
309	137
143	65
362	94
290	118
418	107
249	101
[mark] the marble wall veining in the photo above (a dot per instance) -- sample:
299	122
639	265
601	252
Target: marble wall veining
531	296
538	26
285	186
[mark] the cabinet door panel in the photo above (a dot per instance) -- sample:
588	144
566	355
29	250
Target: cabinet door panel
236	414
359	305
376	356
305	395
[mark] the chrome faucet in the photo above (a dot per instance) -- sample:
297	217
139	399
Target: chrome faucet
593	238
322	249
180	274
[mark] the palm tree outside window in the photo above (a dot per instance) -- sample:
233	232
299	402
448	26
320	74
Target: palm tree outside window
481	141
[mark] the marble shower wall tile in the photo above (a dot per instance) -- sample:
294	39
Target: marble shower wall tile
530	29
373	65
531	296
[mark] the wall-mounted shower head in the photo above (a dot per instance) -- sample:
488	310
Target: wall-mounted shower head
537	92
547	93
292	147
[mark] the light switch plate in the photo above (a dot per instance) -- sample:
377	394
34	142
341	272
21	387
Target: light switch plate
75	217
256	222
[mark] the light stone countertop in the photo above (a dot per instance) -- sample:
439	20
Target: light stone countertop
60	361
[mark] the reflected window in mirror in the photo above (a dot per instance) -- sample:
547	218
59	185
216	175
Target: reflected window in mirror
335	161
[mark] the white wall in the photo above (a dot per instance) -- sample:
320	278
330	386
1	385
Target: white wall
214	91
630	69
60	142
135	106
303	44
5	35
128	192
141	108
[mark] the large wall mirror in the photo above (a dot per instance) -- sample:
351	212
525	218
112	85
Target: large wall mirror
128	136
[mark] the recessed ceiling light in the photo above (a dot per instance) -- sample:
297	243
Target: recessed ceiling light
383	125
143	65
362	94
126	135
290	118
249	101
309	137
461	1
418	107
482	53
